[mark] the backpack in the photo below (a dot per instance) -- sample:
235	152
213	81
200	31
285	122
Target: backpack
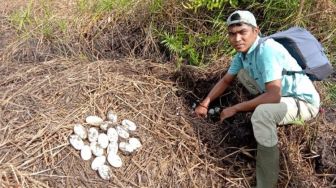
307	51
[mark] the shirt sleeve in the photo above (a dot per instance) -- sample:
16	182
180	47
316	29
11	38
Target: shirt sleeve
270	63
235	66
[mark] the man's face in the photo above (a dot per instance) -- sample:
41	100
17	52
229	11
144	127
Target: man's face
242	36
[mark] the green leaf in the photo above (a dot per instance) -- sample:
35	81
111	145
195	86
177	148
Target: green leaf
234	3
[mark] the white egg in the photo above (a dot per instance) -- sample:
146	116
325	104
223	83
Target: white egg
122	132
135	143
114	160
112	134
129	148
93	144
112	148
126	147
122	146
80	131
211	111
86	153
217	109
76	142
97	162
94	120
96	149
93	134
103	140
105	125
112	116
128	125
104	172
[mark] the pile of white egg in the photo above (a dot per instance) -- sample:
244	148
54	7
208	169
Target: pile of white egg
103	140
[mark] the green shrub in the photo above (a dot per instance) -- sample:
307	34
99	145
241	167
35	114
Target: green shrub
209	4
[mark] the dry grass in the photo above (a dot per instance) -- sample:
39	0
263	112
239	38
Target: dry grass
56	29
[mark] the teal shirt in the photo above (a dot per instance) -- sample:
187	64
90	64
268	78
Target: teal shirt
266	65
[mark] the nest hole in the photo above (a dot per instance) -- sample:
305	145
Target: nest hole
223	138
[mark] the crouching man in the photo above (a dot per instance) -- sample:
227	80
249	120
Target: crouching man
280	99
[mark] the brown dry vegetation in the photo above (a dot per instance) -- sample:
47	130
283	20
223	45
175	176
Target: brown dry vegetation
44	91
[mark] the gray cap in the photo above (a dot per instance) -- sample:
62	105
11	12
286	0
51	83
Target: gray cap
241	16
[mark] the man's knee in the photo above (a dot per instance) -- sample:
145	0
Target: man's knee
264	126
261	114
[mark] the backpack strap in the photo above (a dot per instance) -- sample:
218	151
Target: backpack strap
291	73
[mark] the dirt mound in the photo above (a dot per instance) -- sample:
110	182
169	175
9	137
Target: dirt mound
41	102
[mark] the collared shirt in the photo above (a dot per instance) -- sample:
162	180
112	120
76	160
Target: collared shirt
267	63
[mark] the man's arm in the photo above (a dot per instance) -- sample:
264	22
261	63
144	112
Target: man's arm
272	95
215	92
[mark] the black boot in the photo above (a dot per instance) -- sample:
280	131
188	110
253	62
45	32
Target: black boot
267	166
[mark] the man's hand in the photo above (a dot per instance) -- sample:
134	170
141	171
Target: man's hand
201	111
227	112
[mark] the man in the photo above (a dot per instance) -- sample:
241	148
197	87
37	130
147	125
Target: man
280	99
